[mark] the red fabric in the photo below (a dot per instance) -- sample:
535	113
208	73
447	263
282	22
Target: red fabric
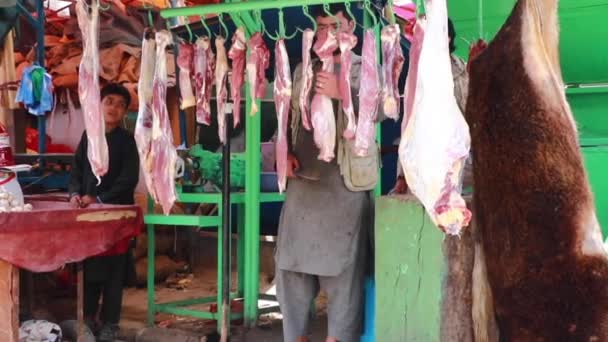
55	234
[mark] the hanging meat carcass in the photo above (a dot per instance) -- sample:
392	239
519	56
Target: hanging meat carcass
347	41
369	96
258	62
546	260
204	69
392	63
221	92
88	89
282	100
412	72
143	125
432	163
307	77
322	110
184	62
164	154
238	55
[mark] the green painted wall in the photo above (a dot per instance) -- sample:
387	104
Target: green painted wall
409	269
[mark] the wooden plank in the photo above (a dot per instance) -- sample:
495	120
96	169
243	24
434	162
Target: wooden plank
9	302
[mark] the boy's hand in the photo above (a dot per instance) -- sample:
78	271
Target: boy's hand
86	200
292	165
76	201
327	84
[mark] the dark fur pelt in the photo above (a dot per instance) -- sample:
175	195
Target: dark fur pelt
547	267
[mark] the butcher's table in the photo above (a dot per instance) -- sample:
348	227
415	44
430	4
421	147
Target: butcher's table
50	236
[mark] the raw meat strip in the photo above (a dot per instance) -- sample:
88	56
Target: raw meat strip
412	73
88	89
143	126
322	110
164	155
204	68
184	62
221	75
475	50
237	54
258	62
282	98
392	63
307	78
369	96
347	42
432	163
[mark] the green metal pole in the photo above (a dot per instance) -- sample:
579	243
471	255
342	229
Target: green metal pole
151	268
220	270
240	252
232	7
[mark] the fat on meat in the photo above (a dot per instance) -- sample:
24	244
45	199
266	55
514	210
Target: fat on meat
392	58
204	69
412	73
238	55
221	92
307	77
143	125
347	41
164	154
322	110
369	96
258	62
436	141
184	62
88	90
282	100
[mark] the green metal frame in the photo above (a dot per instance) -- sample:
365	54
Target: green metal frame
248	202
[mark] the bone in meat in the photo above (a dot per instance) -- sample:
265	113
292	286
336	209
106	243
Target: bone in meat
237	54
392	58
221	94
369	96
322	110
282	99
412	73
184	62
164	155
204	69
307	78
88	89
258	62
432	163
143	125
347	41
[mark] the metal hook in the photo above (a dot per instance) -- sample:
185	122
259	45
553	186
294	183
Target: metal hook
350	13
313	20
204	23
368	8
281	34
101	8
221	19
258	16
329	14
190	36
391	11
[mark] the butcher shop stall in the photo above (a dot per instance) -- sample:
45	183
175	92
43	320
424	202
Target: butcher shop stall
211	99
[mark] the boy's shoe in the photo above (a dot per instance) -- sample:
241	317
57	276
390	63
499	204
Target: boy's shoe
108	333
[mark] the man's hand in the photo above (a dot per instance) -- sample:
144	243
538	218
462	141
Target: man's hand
327	84
292	165
86	200
76	201
400	186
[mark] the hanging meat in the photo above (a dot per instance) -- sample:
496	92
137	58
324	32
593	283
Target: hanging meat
412	72
369	96
143	125
258	62
282	100
221	77
475	50
392	63
307	77
432	163
238	55
164	155
204	69
184	62
322	110
347	41
88	89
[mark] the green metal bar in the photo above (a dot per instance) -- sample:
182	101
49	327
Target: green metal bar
151	268
183	220
185	197
220	270
588	90
196	301
240	251
271	197
233	7
194	313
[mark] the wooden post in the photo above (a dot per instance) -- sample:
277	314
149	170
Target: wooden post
9	302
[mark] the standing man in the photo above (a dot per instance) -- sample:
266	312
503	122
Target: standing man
324	224
105	275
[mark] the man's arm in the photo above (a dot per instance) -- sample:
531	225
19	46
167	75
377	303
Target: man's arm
128	177
76	174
